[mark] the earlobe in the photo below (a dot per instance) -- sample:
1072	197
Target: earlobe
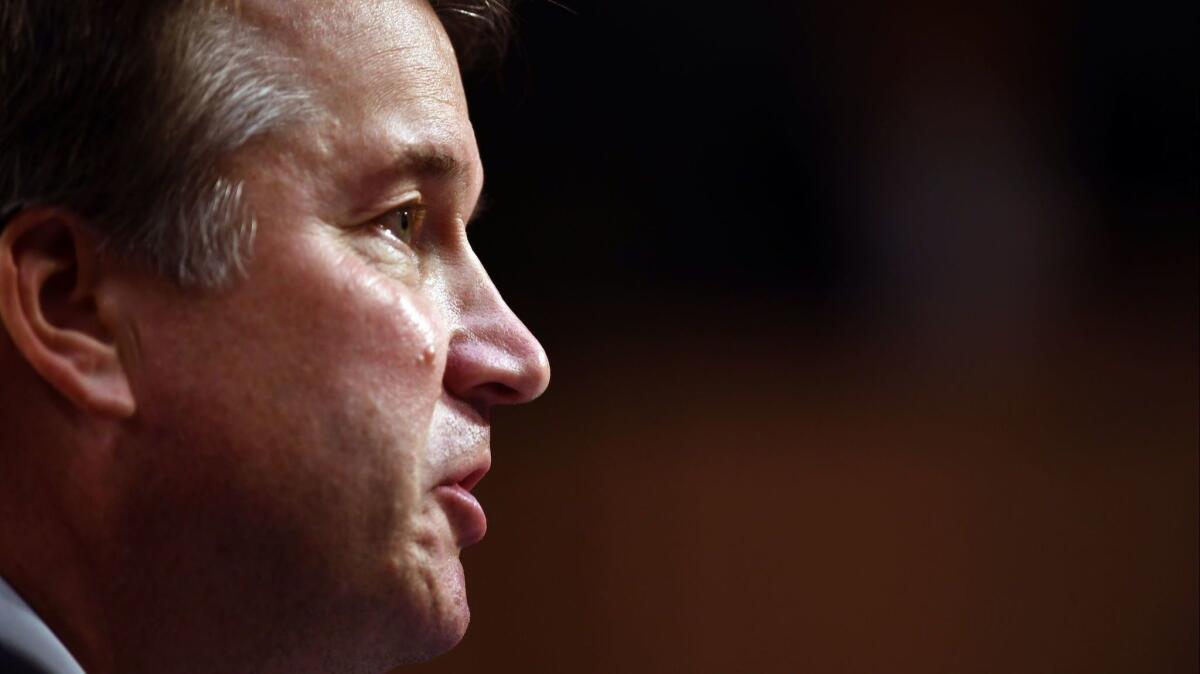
50	285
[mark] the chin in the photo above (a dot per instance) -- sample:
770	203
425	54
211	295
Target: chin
452	612
443	614
443	640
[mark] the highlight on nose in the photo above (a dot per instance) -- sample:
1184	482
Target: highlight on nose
496	362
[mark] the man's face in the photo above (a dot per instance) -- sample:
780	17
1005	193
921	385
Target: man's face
304	440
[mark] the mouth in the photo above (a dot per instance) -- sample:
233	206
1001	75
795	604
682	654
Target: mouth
463	511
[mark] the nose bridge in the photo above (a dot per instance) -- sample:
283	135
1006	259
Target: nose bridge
492	358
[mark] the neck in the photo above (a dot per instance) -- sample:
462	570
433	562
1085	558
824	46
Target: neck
53	523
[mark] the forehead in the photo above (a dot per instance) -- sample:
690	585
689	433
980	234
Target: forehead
349	38
385	70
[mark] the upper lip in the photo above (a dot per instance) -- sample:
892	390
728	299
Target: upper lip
469	473
466	464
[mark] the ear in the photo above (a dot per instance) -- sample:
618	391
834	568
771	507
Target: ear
50	275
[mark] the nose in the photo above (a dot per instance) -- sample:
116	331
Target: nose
493	359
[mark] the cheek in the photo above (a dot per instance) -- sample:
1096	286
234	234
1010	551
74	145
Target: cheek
301	402
403	320
359	352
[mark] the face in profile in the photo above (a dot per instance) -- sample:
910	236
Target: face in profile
305	440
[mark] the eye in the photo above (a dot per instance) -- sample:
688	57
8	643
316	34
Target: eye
400	223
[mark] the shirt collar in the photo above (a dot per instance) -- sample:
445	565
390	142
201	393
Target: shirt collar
24	633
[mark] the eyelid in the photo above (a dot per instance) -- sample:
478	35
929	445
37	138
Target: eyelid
413	201
409	200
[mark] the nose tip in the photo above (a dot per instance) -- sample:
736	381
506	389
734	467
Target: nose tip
496	361
538	375
530	378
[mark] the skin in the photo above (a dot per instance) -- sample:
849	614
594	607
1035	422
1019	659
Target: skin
247	480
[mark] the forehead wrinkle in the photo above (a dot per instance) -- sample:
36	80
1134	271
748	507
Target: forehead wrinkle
388	84
420	81
377	61
320	33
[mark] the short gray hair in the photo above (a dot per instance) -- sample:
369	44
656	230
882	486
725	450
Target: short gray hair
127	111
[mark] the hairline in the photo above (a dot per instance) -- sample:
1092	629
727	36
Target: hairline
202	231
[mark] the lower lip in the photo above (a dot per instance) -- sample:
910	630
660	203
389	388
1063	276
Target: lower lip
464	512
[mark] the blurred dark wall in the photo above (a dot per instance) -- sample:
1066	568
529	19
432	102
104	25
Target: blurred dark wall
874	334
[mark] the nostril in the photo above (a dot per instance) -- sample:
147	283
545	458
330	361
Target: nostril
495	393
473	479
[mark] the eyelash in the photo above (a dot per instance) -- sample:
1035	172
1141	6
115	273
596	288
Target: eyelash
413	213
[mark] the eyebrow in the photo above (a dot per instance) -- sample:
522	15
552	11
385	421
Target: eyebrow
436	163
429	161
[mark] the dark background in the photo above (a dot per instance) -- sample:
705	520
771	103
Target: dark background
874	334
